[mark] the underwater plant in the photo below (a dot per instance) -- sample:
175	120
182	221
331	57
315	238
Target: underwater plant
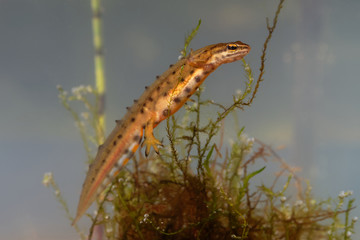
196	187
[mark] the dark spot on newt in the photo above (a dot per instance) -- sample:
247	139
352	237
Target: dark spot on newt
119	136
143	126
166	112
150	99
126	151
165	94
146	87
132	119
182	80
171	65
187	89
197	78
142	110
136	138
177	100
157	77
114	143
127	108
117	165
173	72
192	71
158	88
135	100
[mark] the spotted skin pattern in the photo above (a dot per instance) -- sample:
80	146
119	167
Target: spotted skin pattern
159	101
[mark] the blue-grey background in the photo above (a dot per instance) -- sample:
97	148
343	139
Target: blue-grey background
309	100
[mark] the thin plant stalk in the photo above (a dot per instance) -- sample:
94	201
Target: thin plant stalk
100	79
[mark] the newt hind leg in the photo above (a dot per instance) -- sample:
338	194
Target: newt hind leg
149	139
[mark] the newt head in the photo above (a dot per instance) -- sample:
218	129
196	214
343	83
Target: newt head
217	54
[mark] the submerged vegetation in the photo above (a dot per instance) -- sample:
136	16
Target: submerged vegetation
198	189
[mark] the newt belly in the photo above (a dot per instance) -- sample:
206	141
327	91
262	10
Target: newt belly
159	101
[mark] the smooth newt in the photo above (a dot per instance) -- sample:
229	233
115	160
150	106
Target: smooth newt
162	99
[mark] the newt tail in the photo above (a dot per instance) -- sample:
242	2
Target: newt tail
159	101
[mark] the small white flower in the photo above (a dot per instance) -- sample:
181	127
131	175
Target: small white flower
74	90
342	194
250	140
299	203
355	219
48	177
146	218
180	56
283	199
348	233
89	89
77	91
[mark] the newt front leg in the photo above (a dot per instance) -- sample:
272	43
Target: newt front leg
149	139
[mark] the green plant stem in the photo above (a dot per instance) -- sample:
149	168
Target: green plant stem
263	56
100	80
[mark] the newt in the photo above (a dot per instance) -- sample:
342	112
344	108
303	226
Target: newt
159	101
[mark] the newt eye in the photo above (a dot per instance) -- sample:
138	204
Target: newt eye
232	47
